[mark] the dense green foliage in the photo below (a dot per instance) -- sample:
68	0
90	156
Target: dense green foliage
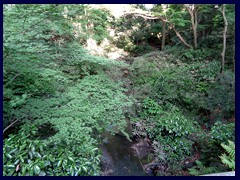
43	86
60	100
200	169
180	99
26	155
229	159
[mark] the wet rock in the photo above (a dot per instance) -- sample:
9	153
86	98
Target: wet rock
106	162
151	167
142	148
107	173
188	165
148	159
154	168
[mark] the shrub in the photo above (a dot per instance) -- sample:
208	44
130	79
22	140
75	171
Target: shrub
211	142
220	97
24	156
141	49
201	169
150	108
168	127
229	159
147	68
78	116
221	133
198	55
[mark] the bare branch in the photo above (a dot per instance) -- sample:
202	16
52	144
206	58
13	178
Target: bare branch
149	16
12	79
12	124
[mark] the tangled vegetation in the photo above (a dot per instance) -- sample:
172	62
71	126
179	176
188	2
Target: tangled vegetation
177	88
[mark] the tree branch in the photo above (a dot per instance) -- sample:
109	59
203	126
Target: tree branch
145	16
12	124
179	36
12	79
164	20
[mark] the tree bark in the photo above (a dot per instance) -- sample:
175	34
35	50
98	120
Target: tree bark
195	13
179	36
224	38
194	19
12	124
163	34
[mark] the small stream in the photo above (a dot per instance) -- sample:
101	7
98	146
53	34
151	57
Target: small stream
119	158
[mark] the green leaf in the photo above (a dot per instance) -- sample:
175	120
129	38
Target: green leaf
36	154
24	168
21	158
14	150
36	169
95	149
76	173
16	162
41	173
10	166
71	159
84	169
59	163
33	148
9	156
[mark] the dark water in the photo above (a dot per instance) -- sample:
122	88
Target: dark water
121	156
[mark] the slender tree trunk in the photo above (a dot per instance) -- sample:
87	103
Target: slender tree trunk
85	13
194	19
163	34
195	13
180	37
224	38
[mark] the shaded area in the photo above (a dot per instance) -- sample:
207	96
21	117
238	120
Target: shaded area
118	158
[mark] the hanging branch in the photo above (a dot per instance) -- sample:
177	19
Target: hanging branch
146	16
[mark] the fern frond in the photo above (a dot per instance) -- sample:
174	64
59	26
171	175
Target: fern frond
201	169
229	159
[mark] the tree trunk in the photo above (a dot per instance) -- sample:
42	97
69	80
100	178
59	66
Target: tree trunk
85	13
166	21
194	19
224	38
163	34
195	13
180	37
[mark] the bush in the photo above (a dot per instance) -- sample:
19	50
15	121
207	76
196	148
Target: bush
141	49
199	54
221	133
147	68
210	143
220	99
23	156
201	169
172	132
